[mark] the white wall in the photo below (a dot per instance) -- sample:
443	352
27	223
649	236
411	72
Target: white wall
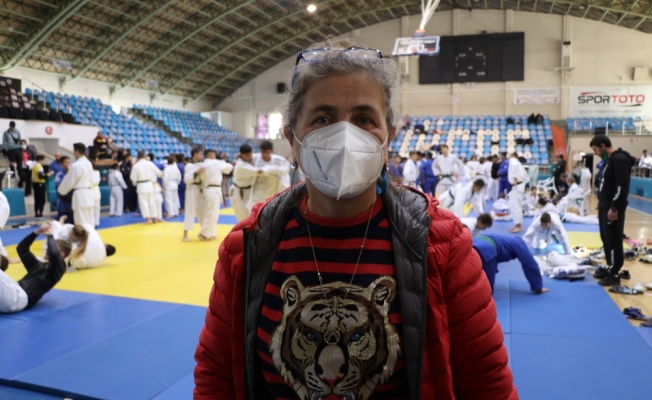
63	135
100	90
601	54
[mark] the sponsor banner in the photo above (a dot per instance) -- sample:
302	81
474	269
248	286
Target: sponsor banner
611	101
537	96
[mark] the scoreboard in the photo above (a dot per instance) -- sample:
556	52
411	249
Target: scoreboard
476	58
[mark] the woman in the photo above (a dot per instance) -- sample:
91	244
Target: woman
88	249
347	286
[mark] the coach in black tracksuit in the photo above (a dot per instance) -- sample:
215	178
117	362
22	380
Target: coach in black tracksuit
612	203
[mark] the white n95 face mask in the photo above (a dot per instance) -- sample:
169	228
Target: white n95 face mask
341	160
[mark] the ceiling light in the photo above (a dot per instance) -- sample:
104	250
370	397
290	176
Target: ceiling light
311	8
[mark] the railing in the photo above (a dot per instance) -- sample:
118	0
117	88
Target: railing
642	126
641	173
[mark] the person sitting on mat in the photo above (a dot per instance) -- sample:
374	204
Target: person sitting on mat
41	275
546	229
495	249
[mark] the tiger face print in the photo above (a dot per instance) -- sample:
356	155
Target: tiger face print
333	345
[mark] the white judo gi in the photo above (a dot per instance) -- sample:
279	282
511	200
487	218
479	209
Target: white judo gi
445	168
458	195
538	237
117	185
212	194
244	177
97	197
194	202
5	210
80	179
143	175
171	181
518	177
275	177
93	256
411	173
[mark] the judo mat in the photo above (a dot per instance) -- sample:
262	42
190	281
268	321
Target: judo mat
128	330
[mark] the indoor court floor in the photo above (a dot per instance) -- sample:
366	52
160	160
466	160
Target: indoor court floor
128	330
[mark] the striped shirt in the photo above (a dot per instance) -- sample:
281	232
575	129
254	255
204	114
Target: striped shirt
303	335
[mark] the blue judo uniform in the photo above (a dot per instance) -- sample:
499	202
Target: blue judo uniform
427	178
503	171
495	249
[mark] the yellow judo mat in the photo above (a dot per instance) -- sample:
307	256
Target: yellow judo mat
151	263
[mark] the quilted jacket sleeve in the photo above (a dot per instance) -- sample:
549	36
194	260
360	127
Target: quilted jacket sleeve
477	355
218	370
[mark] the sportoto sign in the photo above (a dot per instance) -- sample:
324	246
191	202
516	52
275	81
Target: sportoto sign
611	101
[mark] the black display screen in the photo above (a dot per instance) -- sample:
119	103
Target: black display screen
476	58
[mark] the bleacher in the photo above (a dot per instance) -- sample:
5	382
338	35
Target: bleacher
18	105
128	132
589	124
200	130
484	134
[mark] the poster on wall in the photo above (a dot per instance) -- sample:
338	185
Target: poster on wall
611	101
536	96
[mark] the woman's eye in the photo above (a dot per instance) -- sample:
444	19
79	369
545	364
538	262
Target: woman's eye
321	120
364	120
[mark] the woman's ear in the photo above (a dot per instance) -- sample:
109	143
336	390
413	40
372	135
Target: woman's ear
392	134
287	132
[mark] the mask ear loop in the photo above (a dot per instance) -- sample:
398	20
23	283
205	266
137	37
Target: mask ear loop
382	186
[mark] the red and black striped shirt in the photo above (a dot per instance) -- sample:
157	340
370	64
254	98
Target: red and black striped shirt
319	350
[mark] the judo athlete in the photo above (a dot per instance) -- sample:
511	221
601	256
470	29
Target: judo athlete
41	275
194	203
214	170
117	185
171	180
276	173
143	175
546	229
244	176
80	179
460	194
518	178
495	249
447	168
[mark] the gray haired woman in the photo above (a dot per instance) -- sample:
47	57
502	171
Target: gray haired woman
347	286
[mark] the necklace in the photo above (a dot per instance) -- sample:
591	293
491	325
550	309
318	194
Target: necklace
355	269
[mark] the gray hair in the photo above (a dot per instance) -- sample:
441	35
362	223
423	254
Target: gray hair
334	62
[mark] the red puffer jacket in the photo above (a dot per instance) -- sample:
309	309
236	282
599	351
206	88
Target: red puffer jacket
463	352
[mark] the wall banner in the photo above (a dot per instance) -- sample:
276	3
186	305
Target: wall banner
537	96
611	101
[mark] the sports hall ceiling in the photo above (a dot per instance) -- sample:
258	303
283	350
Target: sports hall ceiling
210	48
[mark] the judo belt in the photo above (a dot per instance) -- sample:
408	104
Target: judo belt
81	188
218	186
487	239
447	176
242	188
142	182
451	194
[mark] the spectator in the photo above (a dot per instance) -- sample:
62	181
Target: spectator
612	204
11	143
645	162
101	145
27	157
64	202
38	183
55	165
560	168
130	198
